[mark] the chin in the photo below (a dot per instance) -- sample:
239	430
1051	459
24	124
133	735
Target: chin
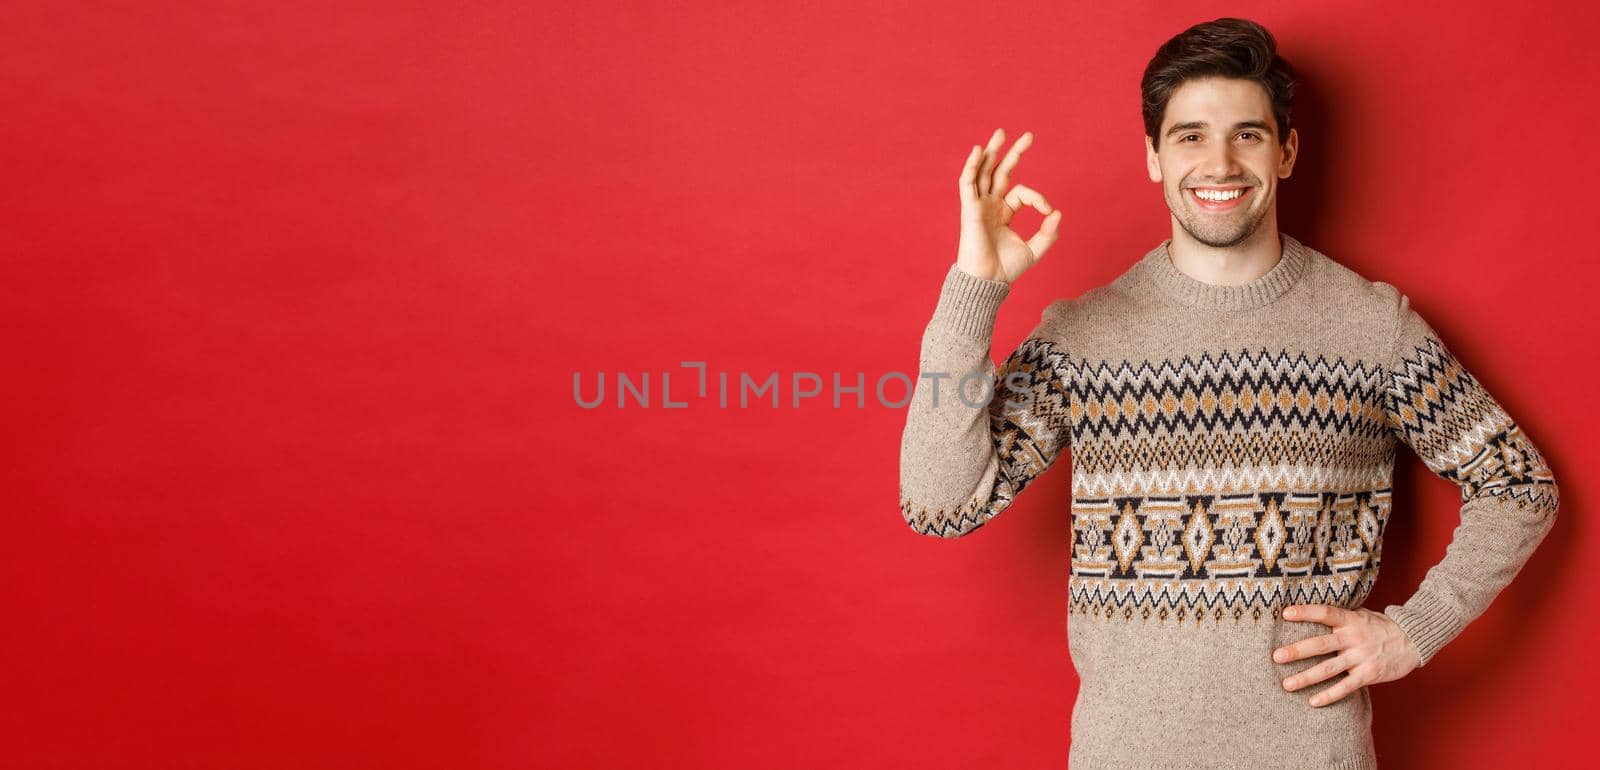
1219	239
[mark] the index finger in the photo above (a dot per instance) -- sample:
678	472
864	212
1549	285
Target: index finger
1325	614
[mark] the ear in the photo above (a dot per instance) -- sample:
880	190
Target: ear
1152	163
1291	152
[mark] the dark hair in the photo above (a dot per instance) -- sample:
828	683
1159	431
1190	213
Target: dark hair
1227	47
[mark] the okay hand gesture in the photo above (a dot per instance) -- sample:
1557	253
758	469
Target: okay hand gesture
990	249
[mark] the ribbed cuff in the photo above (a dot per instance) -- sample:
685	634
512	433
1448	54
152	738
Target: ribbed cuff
1427	621
967	304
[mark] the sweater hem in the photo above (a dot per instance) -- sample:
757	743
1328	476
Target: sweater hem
1367	761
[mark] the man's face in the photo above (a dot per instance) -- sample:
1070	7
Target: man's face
1219	139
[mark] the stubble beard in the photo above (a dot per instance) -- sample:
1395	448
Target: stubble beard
1217	232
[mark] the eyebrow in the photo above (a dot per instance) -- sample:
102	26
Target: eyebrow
1200	124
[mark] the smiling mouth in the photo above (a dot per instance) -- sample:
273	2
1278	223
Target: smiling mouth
1218	199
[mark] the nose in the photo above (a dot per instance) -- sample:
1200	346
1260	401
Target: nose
1219	162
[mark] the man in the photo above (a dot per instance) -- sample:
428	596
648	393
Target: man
1233	403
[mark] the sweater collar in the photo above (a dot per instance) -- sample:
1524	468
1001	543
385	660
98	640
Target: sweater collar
1196	293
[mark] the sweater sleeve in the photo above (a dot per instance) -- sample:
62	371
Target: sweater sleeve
975	436
1508	492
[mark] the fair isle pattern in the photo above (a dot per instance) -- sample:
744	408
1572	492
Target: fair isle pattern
1216	557
1462	434
1027	420
1227	486
1233	419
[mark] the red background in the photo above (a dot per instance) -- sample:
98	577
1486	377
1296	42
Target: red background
293	298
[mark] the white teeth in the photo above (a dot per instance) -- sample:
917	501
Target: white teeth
1218	195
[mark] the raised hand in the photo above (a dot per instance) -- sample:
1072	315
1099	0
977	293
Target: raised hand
990	249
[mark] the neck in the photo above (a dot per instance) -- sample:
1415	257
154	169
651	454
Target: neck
1233	265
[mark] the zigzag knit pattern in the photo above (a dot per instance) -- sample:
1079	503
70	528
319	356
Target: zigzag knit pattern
1463	434
1026	419
1153	543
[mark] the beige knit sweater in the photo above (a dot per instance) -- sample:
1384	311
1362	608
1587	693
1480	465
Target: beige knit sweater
1233	449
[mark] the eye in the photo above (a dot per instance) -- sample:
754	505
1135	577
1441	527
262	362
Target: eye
1250	134
1186	137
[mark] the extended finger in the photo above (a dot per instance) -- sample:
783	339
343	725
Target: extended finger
1305	648
996	141
1002	175
969	175
1347	684
1318	672
1325	614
